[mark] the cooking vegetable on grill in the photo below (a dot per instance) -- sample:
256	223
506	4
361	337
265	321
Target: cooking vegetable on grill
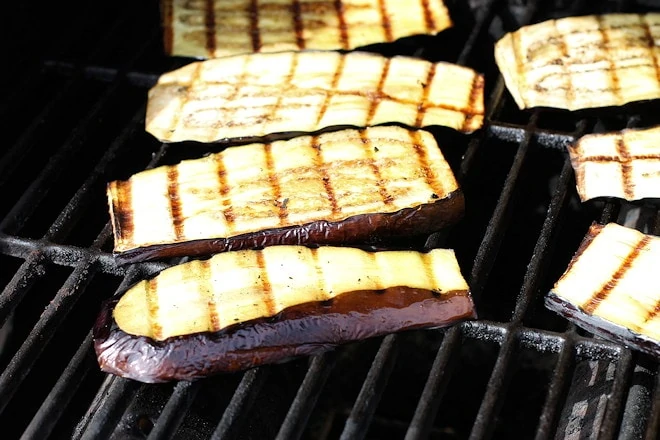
582	62
343	187
212	29
624	164
262	94
609	287
246	308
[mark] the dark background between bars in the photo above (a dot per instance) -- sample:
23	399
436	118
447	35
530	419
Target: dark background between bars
72	103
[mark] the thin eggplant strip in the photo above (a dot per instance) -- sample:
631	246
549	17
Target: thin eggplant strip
218	28
246	308
349	186
582	62
254	95
609	289
624	164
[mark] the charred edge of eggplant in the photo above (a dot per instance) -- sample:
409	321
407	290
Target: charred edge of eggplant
602	327
361	228
307	329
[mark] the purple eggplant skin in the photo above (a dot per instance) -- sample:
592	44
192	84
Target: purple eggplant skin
602	327
306	329
362	228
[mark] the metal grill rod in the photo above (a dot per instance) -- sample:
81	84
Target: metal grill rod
306	397
72	211
55	404
556	390
175	410
20	149
40	186
30	272
435	386
485	258
22	362
363	410
240	403
107	408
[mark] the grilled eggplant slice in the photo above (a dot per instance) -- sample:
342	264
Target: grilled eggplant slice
351	186
609	287
246	308
624	164
218	28
582	62
262	94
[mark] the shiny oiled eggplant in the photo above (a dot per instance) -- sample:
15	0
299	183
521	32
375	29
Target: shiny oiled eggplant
609	287
623	164
246	308
263	94
582	62
217	28
351	186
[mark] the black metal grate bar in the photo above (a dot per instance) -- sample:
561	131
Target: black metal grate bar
617	396
493	108
55	404
653	424
240	403
638	402
102	414
20	149
305	400
106	409
544	245
498	383
556	391
22	362
71	213
38	189
435	386
363	410
485	258
61	255
29	273
175	410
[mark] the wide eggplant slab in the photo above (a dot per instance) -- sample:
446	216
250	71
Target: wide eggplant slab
609	287
218	28
624	164
247	96
351	186
582	62
246	308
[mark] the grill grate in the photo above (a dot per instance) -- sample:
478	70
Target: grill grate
74	112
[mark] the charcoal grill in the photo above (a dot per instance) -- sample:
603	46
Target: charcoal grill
73	102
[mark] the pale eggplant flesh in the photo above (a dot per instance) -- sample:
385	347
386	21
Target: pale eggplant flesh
242	309
218	28
262	94
609	287
582	62
623	164
346	187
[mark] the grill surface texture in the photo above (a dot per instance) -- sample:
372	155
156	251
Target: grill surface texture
73	104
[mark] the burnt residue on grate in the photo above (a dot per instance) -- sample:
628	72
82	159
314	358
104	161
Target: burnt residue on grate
72	103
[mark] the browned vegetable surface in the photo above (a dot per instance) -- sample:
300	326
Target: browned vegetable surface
217	28
246	308
624	164
582	62
609	287
266	93
342	187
